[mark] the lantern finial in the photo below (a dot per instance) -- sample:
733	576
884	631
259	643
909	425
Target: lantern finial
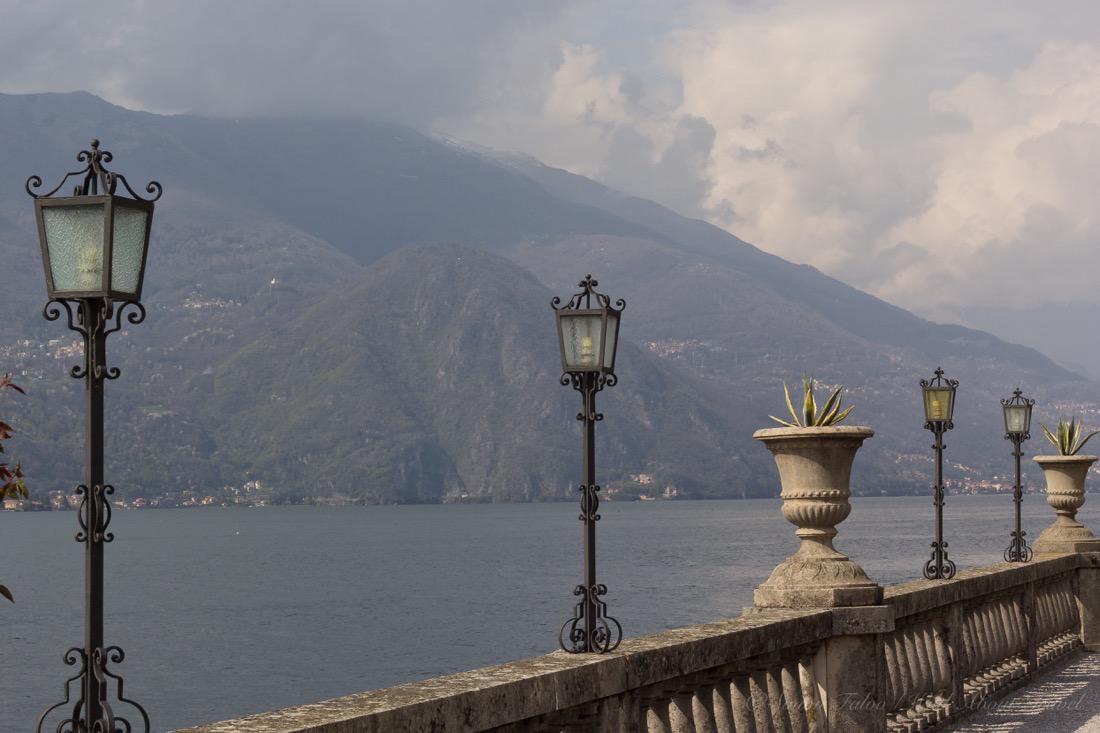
96	177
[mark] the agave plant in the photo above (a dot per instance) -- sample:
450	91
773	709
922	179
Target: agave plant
810	416
1067	437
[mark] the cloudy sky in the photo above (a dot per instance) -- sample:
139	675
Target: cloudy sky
925	152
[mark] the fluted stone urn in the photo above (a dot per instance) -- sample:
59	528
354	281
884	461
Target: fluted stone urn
1065	477
815	468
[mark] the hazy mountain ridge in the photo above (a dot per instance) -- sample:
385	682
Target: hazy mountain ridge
291	339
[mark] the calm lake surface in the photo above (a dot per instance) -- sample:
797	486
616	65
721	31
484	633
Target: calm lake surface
225	612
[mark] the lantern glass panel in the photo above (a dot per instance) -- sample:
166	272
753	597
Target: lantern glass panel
937	404
610	341
128	248
74	240
1017	418
581	339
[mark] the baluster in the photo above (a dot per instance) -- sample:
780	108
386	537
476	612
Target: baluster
910	715
981	646
792	697
1015	660
904	680
1046	616
761	710
1015	621
1030	627
947	659
656	717
1043	620
680	717
941	676
1000	636
815	715
742	706
702	710
993	647
722	706
893	682
1069	607
924	665
1019	620
919	668
780	721
970	645
933	699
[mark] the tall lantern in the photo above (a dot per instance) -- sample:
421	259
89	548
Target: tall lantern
588	335
1017	412
939	413
93	253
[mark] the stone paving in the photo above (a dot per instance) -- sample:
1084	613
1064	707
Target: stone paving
1064	698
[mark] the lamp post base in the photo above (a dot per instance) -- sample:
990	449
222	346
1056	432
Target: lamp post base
1018	551
939	566
106	719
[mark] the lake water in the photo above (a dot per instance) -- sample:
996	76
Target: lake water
224	612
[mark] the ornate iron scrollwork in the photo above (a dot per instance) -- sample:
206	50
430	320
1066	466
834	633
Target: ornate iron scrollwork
108	721
939	566
98	495
590	503
607	632
77	321
73	723
1018	551
96	177
583	299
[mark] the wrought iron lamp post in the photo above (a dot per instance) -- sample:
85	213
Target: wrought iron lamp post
588	334
939	408
1017	411
93	251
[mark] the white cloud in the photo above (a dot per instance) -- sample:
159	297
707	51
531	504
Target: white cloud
924	152
1015	186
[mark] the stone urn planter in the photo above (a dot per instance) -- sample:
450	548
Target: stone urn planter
1065	477
815	468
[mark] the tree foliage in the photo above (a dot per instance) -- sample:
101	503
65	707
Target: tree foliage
11	477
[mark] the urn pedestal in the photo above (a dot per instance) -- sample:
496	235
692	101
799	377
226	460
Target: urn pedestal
815	467
1065	477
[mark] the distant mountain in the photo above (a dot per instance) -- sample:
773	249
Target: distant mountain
436	377
354	308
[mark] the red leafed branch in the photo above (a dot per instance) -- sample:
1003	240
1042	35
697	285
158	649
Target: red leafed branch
11	477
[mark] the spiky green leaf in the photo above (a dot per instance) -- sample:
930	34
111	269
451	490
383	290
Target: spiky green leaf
841	417
1049	435
832	406
1081	444
790	405
809	407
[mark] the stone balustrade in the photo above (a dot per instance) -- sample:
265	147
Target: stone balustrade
979	635
930	652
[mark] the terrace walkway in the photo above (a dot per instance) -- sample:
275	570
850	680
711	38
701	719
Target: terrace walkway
1063	698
